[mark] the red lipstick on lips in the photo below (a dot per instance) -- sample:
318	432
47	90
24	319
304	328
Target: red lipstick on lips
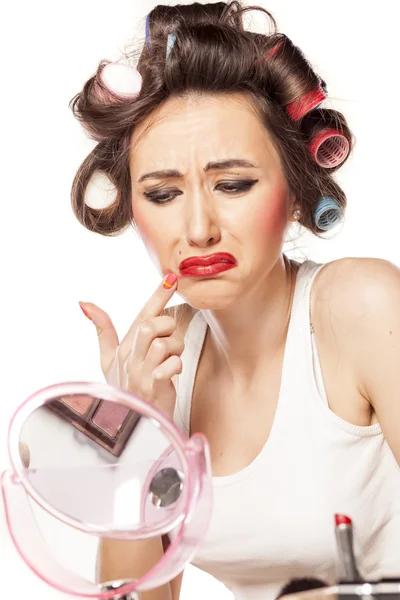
204	266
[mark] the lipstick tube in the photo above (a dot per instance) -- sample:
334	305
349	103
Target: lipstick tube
344	540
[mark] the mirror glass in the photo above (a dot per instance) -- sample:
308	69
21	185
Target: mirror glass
99	463
90	557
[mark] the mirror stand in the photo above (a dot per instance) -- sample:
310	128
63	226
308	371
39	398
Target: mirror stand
114	585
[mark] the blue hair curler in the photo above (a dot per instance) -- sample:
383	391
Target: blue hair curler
148	43
328	213
170	44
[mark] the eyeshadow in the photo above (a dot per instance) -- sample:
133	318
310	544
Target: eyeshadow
79	404
110	417
108	424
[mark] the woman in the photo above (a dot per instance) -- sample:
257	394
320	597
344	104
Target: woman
291	371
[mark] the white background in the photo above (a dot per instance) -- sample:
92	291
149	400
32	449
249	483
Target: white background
49	262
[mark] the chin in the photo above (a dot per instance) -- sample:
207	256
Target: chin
209	299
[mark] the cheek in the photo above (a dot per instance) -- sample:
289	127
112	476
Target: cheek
151	231
142	224
271	216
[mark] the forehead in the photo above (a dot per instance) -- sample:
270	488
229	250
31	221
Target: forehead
202	128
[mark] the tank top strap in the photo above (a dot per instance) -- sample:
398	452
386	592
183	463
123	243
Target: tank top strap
301	367
300	325
301	315
193	341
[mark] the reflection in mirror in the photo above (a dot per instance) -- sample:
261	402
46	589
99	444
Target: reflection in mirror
83	554
75	550
24	454
108	423
68	448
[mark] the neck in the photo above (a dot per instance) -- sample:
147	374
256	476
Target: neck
241	337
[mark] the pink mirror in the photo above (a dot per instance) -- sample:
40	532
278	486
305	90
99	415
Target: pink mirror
99	462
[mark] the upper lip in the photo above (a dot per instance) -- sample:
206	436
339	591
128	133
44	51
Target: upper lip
210	259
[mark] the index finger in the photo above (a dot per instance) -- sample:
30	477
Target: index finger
158	301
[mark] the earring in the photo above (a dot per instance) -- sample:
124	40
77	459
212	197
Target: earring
296	214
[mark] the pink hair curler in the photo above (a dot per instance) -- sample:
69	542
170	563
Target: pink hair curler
303	105
122	80
274	50
172	489
329	148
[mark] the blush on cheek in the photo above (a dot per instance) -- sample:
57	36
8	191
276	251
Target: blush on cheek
271	218
143	226
140	223
149	236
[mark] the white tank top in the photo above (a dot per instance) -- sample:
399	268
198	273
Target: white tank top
274	520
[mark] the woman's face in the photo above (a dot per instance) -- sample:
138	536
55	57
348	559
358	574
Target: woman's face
207	179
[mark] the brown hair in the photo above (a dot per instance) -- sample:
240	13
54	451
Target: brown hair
297	585
213	54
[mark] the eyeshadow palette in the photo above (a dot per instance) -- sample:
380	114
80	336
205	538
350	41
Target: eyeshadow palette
108	424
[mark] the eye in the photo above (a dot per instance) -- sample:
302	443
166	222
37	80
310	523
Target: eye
162	197
236	187
229	187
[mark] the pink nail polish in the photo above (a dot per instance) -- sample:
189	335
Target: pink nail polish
169	281
85	312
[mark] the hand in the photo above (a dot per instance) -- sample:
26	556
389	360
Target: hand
148	357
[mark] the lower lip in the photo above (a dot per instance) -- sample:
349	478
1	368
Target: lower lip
206	271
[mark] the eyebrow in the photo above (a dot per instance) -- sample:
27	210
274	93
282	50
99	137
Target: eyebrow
211	166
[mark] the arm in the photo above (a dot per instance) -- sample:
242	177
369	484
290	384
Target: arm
126	559
379	350
129	559
370	314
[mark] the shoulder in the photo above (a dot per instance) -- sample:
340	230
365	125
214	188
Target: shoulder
356	311
357	287
365	317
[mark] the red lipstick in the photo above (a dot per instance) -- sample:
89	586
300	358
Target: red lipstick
344	539
204	266
342	520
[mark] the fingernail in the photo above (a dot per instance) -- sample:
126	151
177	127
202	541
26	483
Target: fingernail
85	312
169	281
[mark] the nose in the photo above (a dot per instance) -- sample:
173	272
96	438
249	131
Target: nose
202	223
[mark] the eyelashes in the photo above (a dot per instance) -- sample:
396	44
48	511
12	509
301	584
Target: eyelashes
231	188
